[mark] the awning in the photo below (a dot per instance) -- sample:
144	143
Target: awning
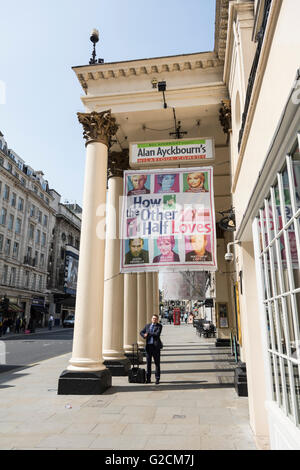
12	308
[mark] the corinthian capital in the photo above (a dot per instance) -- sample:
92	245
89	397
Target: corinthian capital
98	127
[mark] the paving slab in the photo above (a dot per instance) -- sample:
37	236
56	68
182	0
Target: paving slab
195	407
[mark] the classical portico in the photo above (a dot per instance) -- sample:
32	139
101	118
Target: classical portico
196	103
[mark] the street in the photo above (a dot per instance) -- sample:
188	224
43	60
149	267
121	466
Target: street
24	350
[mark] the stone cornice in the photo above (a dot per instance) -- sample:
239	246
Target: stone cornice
222	7
158	65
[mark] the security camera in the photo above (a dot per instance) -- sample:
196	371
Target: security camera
229	257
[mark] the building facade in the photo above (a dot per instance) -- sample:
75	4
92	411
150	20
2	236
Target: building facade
63	259
26	223
262	74
35	228
245	94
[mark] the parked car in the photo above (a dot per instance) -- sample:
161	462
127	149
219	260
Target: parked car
69	321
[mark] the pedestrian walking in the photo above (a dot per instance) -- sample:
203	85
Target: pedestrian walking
18	325
151	332
185	317
50	322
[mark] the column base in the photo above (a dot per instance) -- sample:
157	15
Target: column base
118	367
240	380
135	358
84	383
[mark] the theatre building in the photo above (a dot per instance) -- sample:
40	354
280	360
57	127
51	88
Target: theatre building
244	96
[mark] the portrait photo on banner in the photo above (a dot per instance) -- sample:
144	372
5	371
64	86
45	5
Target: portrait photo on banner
195	182
138	184
136	251
166	250
167	183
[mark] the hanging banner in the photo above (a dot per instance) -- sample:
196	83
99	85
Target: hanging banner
168	220
168	152
71	269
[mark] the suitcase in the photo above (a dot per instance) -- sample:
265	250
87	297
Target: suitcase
136	375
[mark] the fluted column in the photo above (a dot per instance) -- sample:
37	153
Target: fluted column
155	294
141	307
149	296
113	317
86	373
130	316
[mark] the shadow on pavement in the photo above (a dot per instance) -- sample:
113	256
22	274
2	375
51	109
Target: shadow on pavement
167	386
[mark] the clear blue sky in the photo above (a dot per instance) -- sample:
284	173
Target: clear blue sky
42	39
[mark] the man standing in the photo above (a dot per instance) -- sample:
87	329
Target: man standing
151	333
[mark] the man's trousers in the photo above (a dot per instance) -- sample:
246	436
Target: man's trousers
152	352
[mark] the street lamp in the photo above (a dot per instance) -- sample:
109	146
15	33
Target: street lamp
94	38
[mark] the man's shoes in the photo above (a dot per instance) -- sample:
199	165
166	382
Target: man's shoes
157	381
148	381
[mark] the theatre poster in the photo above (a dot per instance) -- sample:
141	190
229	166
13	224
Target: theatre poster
168	220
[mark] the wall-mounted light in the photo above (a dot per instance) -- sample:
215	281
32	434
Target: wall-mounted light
154	82
162	86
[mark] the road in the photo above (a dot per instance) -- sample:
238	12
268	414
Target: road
25	350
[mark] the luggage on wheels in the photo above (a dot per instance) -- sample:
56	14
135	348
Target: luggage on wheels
136	374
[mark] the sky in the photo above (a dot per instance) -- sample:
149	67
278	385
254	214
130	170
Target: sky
40	40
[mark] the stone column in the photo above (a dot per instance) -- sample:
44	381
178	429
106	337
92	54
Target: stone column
113	311
86	373
130	317
155	294
141	308
149	296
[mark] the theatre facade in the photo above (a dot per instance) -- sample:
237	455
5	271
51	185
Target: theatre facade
242	98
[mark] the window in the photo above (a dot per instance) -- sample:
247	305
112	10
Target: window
6	193
32	210
21	204
36	258
7	247
40	282
18	225
278	226
26	279
38	236
13	199
31	231
1	242
3	216
42	260
40	216
4	274
13	276
45	220
33	281
10	222
43	239
15	250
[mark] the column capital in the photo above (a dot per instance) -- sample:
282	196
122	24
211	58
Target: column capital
98	127
117	163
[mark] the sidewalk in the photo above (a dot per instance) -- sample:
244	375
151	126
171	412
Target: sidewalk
195	407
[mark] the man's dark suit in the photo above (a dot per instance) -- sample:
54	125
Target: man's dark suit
153	350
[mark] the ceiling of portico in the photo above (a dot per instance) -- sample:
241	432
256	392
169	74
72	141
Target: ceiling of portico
197	121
